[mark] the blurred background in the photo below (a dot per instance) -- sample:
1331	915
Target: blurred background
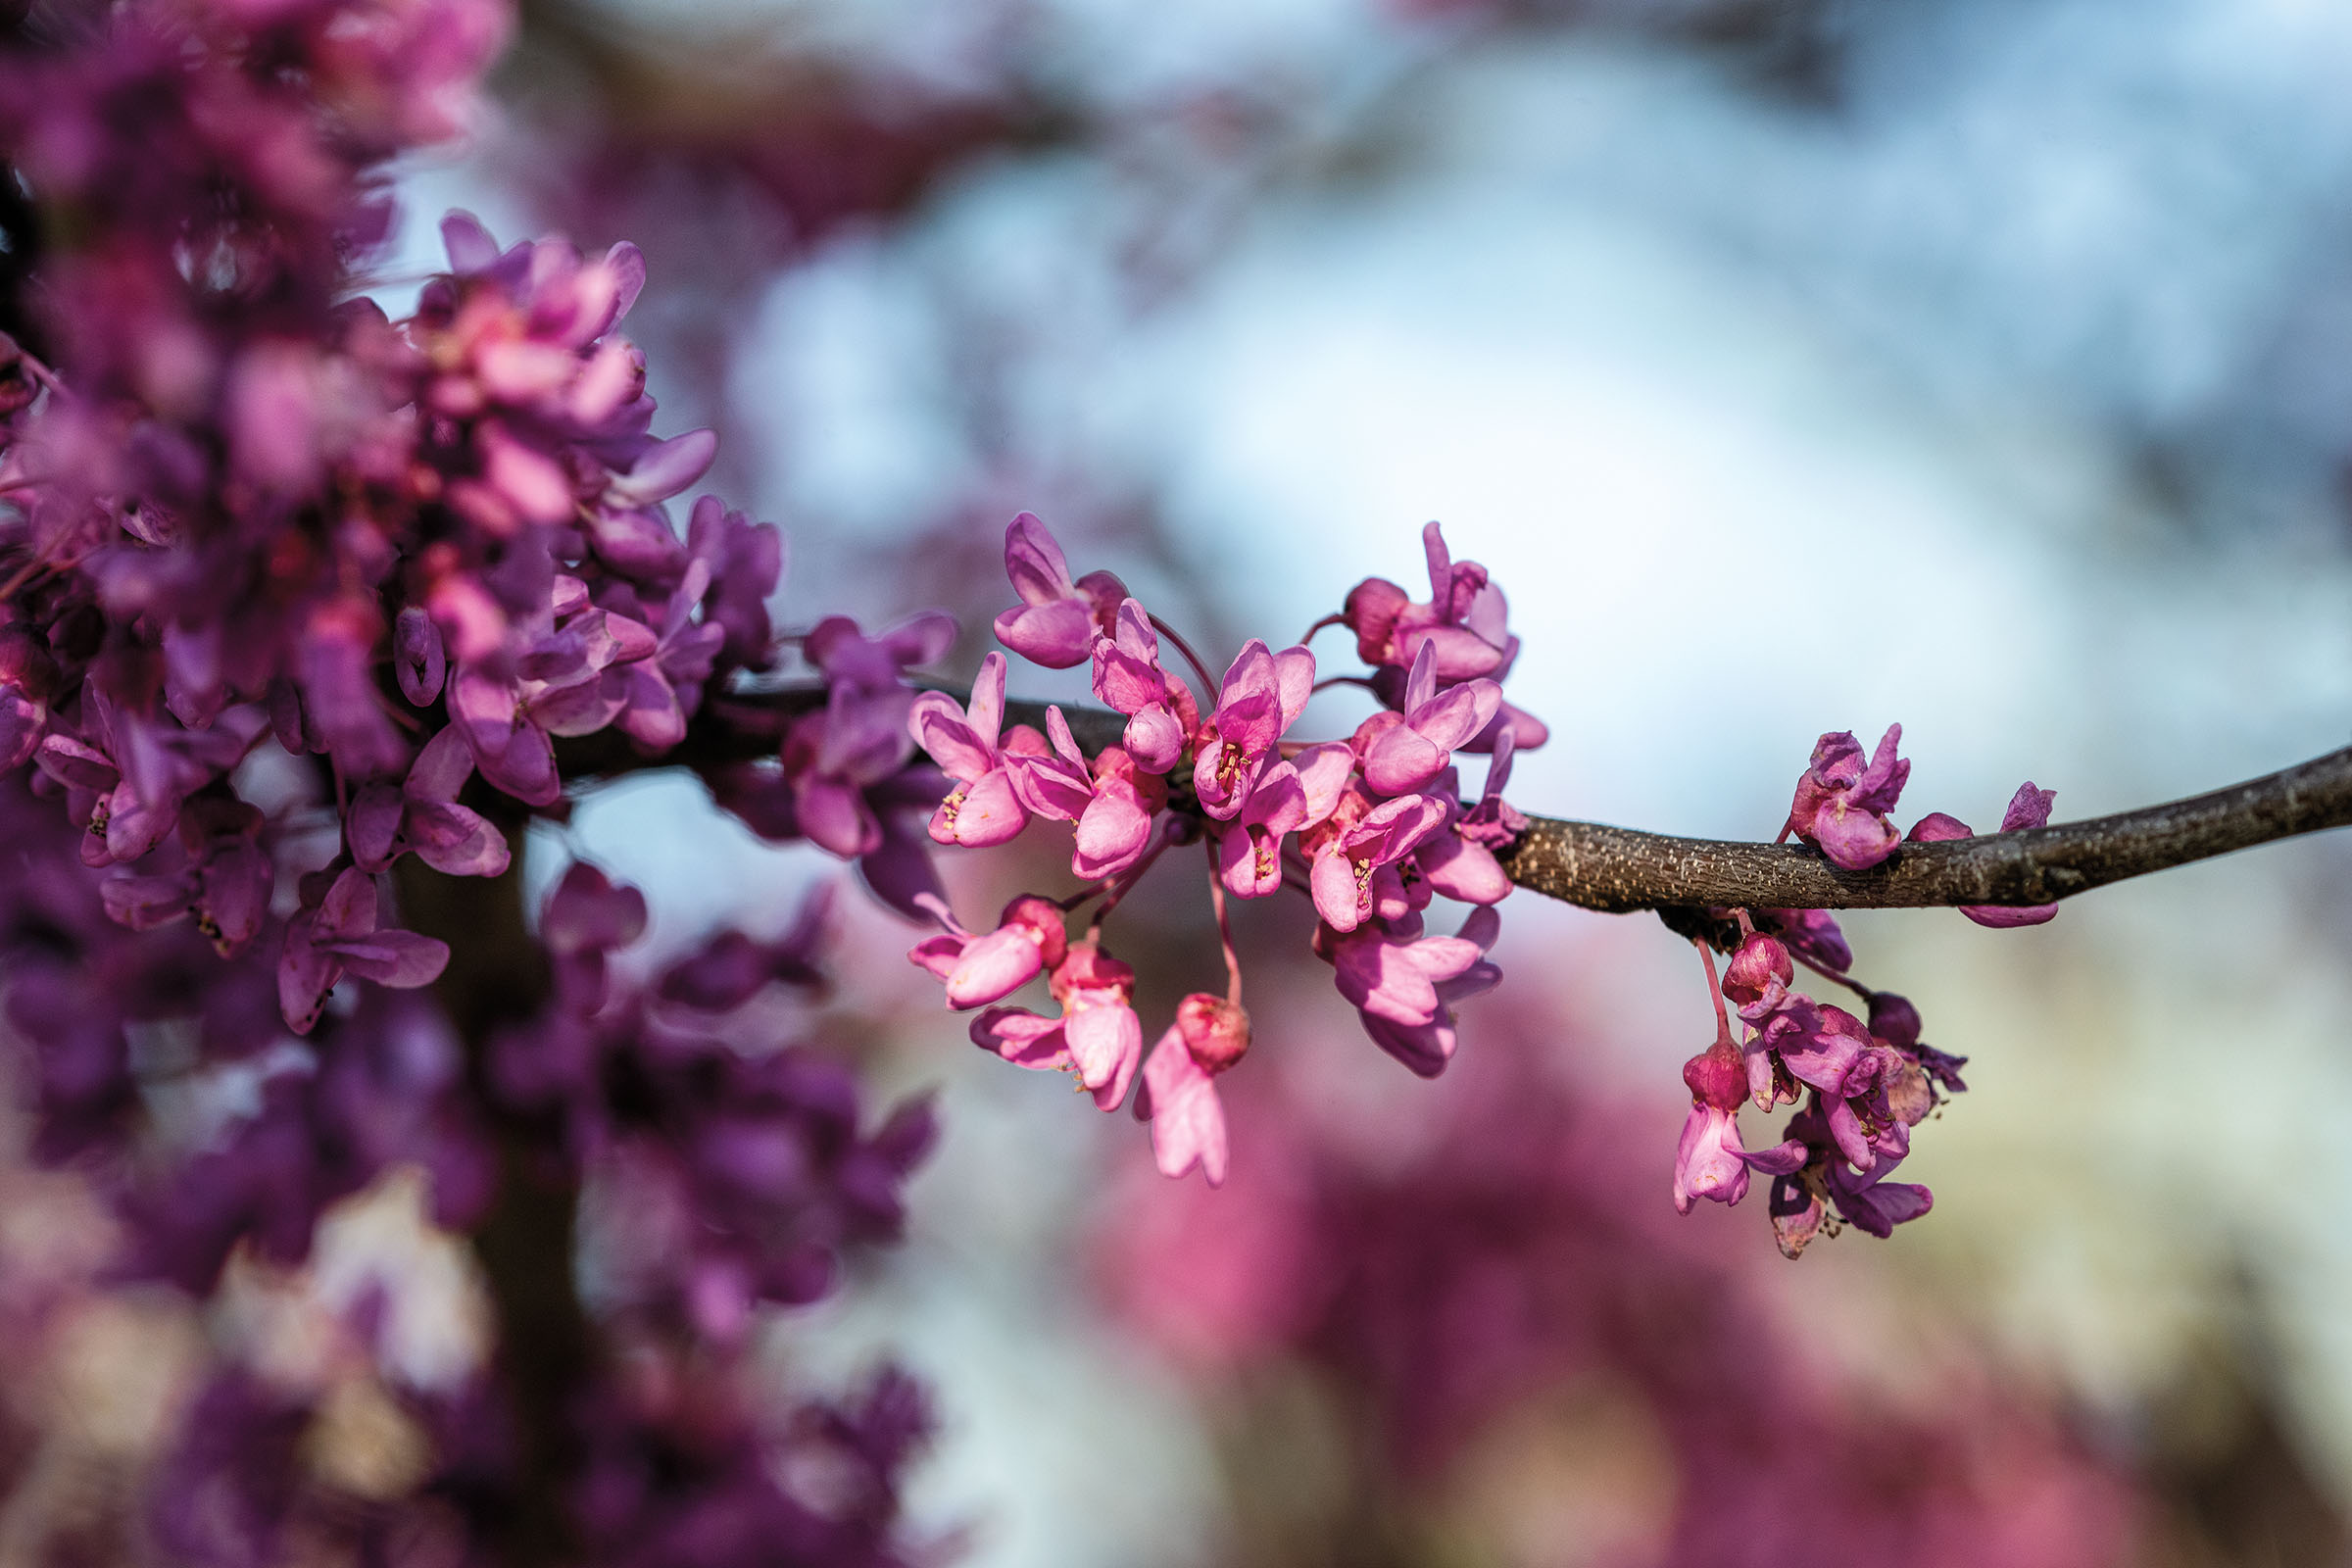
1795	366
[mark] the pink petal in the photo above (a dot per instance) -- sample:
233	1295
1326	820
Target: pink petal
1187	1124
992	813
455	841
1020	1037
993	967
1106	1043
401	960
939	728
1112	834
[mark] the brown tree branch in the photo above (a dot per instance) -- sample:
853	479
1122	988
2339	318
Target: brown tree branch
1618	870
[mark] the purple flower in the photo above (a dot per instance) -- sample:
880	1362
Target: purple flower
1809	1177
1128	679
860	739
418	662
986	809
731	968
225	884
746	561
2028	808
423	815
1261	697
339	936
1840	805
1028	940
1057	621
1708	1160
1812	934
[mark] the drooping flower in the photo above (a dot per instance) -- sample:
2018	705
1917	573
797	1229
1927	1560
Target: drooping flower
1708	1160
1840	804
2028	808
1404	985
1057	621
1179	1093
1098	1035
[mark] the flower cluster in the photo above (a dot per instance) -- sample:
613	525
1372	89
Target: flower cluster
304	610
1368	829
1864	1082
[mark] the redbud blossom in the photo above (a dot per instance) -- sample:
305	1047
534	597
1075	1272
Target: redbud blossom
1028	940
1841	804
1057	621
986	809
1263	695
1179	1097
1128	679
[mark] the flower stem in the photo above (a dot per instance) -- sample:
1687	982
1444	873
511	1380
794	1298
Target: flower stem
1209	686
1723	1020
1216	896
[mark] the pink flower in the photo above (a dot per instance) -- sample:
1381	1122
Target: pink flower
1113	802
1840	805
1249	848
1463	625
1354	873
1179	1097
1057	621
1404	751
1028	940
2028	808
985	809
1098	1035
1128	678
1405	986
1707	1162
1263	695
339	936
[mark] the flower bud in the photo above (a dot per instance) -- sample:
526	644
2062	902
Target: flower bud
1215	1032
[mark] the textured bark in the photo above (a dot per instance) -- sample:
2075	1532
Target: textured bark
1615	869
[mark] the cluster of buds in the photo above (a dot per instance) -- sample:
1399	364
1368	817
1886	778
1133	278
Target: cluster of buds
1865	1082
1368	829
